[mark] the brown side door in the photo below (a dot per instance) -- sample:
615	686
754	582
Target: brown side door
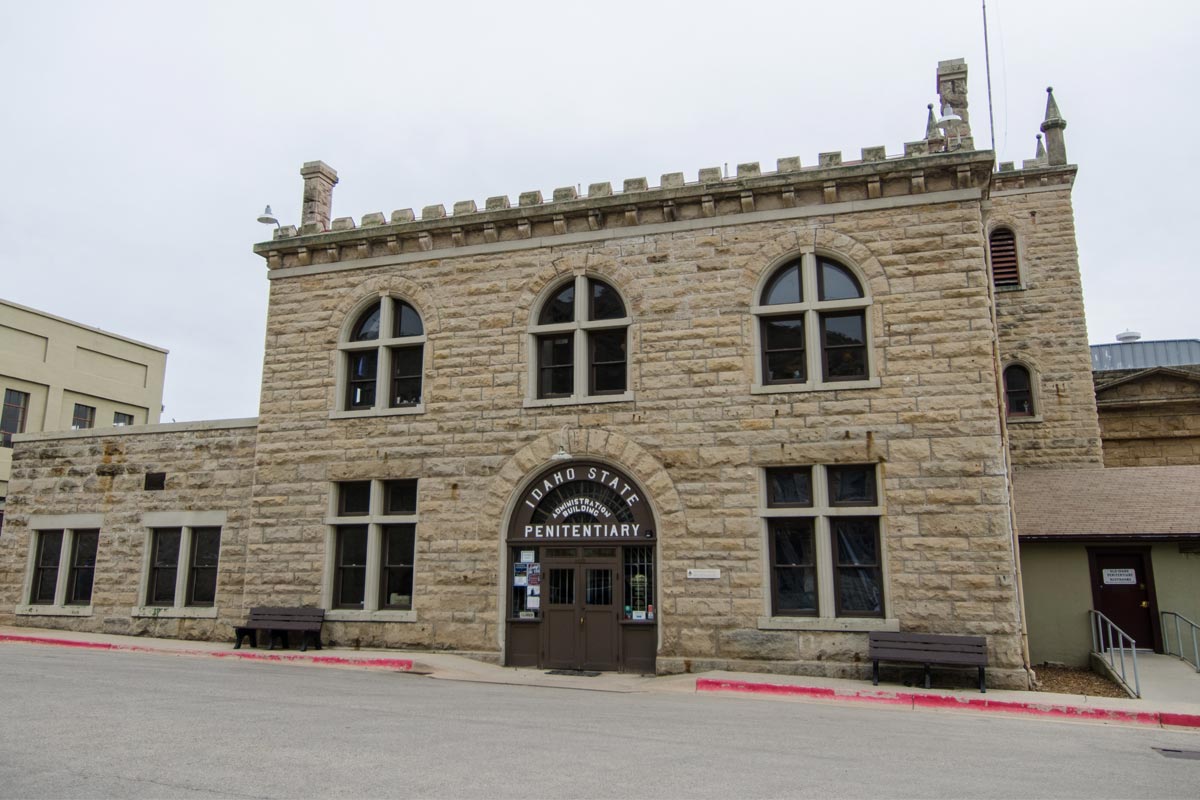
1123	591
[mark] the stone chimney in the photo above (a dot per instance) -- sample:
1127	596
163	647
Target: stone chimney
952	90
319	180
1053	127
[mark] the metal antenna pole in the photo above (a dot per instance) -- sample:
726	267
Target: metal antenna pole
987	60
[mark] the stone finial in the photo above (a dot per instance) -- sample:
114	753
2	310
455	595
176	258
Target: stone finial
530	198
671	180
563	193
635	185
1040	152
465	207
833	159
403	215
710	175
931	125
952	92
497	203
789	164
1053	126
317	205
750	169
600	189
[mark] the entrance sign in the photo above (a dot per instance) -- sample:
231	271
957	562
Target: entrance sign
1120	577
581	501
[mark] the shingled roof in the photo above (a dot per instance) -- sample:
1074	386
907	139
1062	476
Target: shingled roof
1143	502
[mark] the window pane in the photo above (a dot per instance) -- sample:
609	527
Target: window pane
206	547
784	287
351	577
396	572
354	498
84	417
406	376
400	497
556	382
639	580
83	567
851	485
361	384
1018	394
608	361
367	327
599	587
555	365
783	333
786	367
560	587
793	540
857	540
204	587
12	420
408	321
560	307
557	351
837	282
606	303
120	419
796	590
789	486
859	592
164	566
843	329
45	573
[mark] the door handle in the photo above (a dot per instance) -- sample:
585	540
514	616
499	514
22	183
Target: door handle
1145	604
581	620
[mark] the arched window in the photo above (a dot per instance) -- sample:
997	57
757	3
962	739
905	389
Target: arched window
580	343
1002	244
384	358
813	326
1018	391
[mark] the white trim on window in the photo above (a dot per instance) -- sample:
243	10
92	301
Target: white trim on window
69	525
383	346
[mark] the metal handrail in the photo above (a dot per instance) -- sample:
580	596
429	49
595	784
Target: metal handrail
1116	639
1195	659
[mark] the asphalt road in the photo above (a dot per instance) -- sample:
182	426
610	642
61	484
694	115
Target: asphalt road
101	724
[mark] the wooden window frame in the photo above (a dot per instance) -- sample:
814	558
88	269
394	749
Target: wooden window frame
375	522
384	379
14	415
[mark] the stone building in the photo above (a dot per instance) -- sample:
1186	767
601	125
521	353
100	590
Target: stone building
60	375
722	422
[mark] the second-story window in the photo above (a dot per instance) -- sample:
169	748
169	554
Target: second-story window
580	343
383	356
813	326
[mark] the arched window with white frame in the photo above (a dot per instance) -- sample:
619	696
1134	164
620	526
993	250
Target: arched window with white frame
383	357
813	327
579	344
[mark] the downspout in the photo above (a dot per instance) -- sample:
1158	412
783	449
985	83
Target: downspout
1014	543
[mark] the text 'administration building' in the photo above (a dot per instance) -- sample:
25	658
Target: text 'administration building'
731	422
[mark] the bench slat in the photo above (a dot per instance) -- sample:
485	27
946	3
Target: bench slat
924	657
942	638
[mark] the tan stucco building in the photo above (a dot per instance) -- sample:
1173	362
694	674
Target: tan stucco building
59	375
724	421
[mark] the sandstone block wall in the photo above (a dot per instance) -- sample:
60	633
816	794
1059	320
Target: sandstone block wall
694	435
208	466
1042	324
1151	422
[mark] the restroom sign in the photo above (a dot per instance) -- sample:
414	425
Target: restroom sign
1120	577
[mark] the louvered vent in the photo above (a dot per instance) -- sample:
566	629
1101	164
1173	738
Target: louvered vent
1004	258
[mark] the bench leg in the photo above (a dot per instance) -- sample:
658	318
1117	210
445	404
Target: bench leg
245	633
982	682
875	673
304	641
926	676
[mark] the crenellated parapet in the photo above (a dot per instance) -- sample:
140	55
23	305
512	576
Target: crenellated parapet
832	182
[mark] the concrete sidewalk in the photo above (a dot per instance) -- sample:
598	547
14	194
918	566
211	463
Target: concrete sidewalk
1161	711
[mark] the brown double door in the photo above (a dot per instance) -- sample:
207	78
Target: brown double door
1123	591
581	607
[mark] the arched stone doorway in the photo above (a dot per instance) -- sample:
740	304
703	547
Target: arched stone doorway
580	572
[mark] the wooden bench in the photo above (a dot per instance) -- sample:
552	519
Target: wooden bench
928	649
278	622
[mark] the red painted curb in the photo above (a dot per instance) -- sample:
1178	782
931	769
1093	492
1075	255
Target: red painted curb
403	664
917	700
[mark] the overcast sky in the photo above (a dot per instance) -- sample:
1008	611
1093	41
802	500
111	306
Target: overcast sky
141	140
